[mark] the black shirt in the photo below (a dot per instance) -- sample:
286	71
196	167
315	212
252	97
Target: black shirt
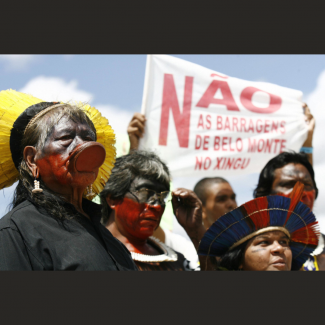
30	239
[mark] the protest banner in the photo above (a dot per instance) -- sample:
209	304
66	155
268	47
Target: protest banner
204	123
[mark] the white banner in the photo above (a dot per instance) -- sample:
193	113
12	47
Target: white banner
204	123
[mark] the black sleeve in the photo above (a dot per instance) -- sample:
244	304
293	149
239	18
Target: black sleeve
13	252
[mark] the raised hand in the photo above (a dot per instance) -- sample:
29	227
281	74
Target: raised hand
136	129
188	211
310	120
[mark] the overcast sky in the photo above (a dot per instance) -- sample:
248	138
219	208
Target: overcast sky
114	85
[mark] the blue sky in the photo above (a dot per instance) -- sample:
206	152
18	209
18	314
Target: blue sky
118	79
114	84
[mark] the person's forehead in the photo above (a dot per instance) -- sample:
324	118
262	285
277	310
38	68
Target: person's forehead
141	182
272	234
292	170
66	122
216	188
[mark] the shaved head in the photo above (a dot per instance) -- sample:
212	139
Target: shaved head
201	189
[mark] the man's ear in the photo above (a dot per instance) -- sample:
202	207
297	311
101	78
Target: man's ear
29	156
112	202
204	215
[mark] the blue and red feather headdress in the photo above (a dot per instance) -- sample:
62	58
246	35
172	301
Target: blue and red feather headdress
264	214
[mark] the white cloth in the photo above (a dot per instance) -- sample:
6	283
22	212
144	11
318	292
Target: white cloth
204	123
183	246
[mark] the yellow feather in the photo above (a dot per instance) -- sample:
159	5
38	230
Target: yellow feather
13	103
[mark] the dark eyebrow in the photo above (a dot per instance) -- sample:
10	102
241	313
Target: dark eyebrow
150	186
88	132
62	131
145	185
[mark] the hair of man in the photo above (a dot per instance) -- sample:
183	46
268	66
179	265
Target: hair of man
266	178
138	163
201	188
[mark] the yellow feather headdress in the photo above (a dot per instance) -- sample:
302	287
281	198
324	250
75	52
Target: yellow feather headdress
13	103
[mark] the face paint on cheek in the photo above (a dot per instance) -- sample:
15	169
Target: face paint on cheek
54	168
138	219
60	169
257	250
308	197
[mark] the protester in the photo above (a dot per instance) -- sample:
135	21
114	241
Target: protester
177	242
217	197
282	172
52	149
133	203
279	176
272	233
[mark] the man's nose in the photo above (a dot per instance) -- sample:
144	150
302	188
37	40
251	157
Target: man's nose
231	204
277	248
77	141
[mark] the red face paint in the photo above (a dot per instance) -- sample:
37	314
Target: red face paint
308	198
69	159
54	169
137	219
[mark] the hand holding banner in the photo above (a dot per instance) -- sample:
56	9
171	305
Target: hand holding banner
201	122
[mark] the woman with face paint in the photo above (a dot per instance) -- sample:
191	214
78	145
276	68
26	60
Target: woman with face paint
133	203
62	155
272	233
279	176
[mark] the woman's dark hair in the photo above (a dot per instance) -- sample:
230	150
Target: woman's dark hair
266	179
231	260
136	164
36	136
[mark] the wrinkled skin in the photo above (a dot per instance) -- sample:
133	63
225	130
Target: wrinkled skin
51	163
136	221
221	199
269	251
286	177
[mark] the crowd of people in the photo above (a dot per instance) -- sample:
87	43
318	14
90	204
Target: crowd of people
62	156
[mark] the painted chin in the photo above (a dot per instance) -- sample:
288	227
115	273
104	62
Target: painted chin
139	220
82	178
148	226
55	169
147	230
65	178
150	217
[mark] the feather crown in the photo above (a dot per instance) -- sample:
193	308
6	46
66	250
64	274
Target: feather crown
264	214
17	110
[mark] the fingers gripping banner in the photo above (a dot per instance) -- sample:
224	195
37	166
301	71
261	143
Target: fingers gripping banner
204	123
